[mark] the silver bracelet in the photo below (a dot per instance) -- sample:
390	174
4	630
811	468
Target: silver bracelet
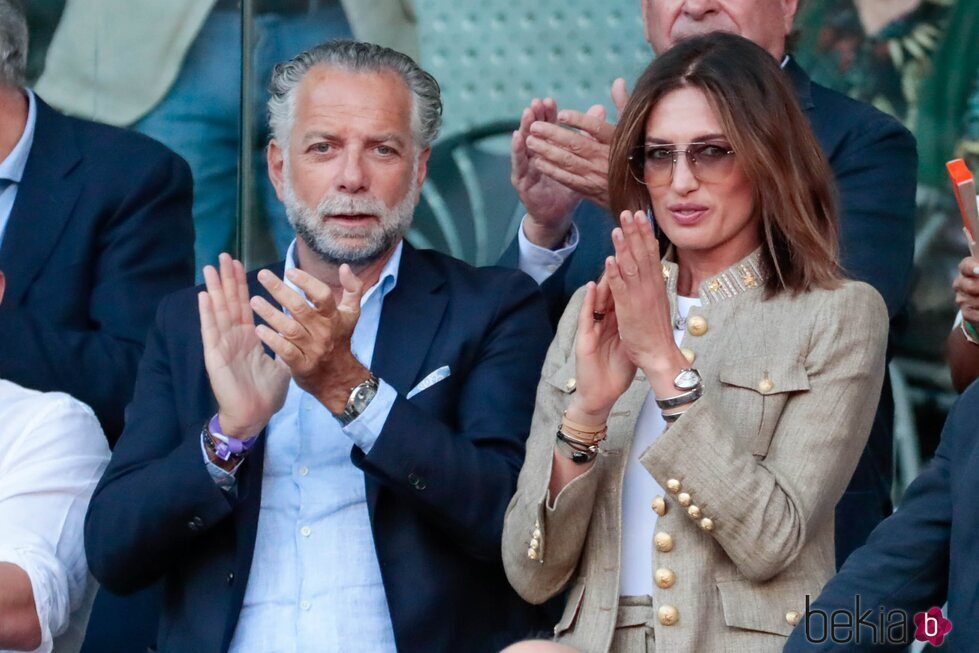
682	399
672	417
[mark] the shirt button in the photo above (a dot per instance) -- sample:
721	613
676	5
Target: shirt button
306	531
195	524
305	605
304	471
551	268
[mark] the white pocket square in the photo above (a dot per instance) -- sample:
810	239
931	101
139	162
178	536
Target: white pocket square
440	374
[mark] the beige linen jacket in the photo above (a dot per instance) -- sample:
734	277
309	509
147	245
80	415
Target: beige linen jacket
753	470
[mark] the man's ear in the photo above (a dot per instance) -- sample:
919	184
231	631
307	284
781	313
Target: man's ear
789	10
3	286
423	165
275	157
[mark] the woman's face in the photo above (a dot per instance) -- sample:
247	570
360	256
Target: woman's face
707	209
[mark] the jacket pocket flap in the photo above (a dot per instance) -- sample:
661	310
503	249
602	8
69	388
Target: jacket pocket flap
766	375
764	607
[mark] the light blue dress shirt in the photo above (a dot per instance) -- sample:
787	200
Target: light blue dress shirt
12	167
315	583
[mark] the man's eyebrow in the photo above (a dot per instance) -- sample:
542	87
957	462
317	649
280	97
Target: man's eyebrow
393	137
319	135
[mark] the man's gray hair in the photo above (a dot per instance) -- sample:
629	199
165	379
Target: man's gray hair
13	43
355	56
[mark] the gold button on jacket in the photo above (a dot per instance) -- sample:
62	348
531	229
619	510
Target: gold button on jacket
659	506
697	325
668	615
663	542
665	578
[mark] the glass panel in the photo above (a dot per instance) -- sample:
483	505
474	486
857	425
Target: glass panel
276	31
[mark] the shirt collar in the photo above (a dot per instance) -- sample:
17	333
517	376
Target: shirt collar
387	280
12	167
744	276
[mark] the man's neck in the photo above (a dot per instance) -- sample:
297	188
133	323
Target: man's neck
311	263
13	118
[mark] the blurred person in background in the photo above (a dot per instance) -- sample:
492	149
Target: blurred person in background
172	69
712	393
963	341
52	453
918	60
561	176
95	227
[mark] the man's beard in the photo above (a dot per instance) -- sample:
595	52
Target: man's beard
329	239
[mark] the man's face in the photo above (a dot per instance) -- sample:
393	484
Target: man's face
351	174
766	22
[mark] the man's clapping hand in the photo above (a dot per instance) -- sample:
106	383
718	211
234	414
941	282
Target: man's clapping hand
249	385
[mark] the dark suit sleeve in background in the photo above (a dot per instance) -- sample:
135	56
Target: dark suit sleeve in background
156	497
582	265
145	250
876	174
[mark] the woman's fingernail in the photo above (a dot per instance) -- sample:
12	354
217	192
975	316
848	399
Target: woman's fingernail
975	270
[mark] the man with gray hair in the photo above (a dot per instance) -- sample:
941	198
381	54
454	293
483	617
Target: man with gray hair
334	478
95	228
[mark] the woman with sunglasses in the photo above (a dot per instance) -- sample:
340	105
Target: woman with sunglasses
703	405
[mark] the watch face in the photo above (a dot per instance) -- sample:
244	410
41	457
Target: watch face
687	379
363	397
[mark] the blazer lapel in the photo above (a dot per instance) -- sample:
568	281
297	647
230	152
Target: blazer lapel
801	83
410	317
45	199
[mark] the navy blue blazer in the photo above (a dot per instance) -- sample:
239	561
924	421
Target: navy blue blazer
438	478
875	162
922	555
100	231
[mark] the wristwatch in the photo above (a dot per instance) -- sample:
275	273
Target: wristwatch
359	398
687	379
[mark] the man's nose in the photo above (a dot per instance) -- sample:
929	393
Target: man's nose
699	9
352	177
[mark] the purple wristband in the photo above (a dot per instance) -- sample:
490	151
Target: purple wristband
226	446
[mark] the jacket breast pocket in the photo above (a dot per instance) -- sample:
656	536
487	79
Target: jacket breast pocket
771	607
758	388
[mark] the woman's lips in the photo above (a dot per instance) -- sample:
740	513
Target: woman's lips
687	214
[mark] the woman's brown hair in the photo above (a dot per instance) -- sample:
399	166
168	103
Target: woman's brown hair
773	145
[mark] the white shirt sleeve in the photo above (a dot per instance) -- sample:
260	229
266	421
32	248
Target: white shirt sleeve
540	262
55	454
